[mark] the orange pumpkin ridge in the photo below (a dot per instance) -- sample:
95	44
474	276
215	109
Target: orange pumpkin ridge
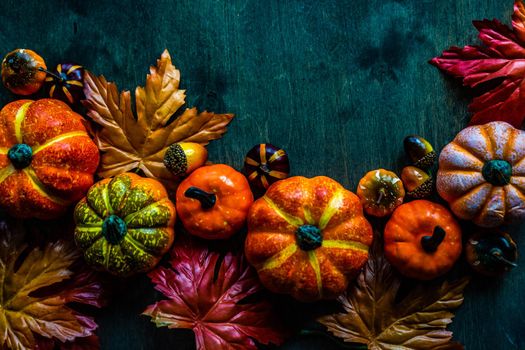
307	237
47	159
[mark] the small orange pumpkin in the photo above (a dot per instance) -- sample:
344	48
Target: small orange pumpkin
47	159
422	239
482	174
380	191
307	237
213	201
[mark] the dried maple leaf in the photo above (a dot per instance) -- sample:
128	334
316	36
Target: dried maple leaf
130	142
374	317
37	286
208	295
501	60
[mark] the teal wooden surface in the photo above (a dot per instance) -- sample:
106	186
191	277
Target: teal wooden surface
336	83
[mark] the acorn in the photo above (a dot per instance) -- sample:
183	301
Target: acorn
265	164
183	157
23	71
417	182
491	253
66	83
420	151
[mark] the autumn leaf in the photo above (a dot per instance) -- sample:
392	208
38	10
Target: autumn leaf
209	295
373	316
128	142
38	286
501	61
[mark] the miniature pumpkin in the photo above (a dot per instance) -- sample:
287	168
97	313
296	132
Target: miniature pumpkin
482	174
265	164
422	239
491	253
47	159
307	237
381	191
125	224
23	71
213	201
66	82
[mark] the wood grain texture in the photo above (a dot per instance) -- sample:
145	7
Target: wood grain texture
338	84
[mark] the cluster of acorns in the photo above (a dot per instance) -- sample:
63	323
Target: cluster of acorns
24	72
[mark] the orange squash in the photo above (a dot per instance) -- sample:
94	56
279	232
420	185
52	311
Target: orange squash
482	174
307	237
213	201
422	239
47	159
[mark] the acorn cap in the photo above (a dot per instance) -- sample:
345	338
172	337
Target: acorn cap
422	191
175	159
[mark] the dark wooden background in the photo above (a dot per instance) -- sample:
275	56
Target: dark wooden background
336	83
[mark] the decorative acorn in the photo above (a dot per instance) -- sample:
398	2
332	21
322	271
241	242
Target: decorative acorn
184	157
66	82
23	71
491	253
265	164
420	151
418	183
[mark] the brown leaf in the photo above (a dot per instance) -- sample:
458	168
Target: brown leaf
36	287
374	317
131	143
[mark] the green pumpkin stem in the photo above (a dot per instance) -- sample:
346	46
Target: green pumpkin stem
206	199
497	254
431	243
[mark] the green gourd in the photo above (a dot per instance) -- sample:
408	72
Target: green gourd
125	224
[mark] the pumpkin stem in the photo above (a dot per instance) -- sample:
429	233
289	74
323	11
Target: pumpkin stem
114	229
497	172
207	199
56	76
497	254
431	243
20	155
309	237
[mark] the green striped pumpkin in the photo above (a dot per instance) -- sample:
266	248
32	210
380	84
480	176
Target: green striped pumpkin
125	224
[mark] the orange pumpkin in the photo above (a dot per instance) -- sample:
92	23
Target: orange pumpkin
47	159
422	239
307	237
482	174
213	201
380	191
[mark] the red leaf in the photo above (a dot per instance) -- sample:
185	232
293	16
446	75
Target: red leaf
213	307
502	57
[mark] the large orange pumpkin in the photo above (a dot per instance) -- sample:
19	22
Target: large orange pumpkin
307	237
47	159
482	174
